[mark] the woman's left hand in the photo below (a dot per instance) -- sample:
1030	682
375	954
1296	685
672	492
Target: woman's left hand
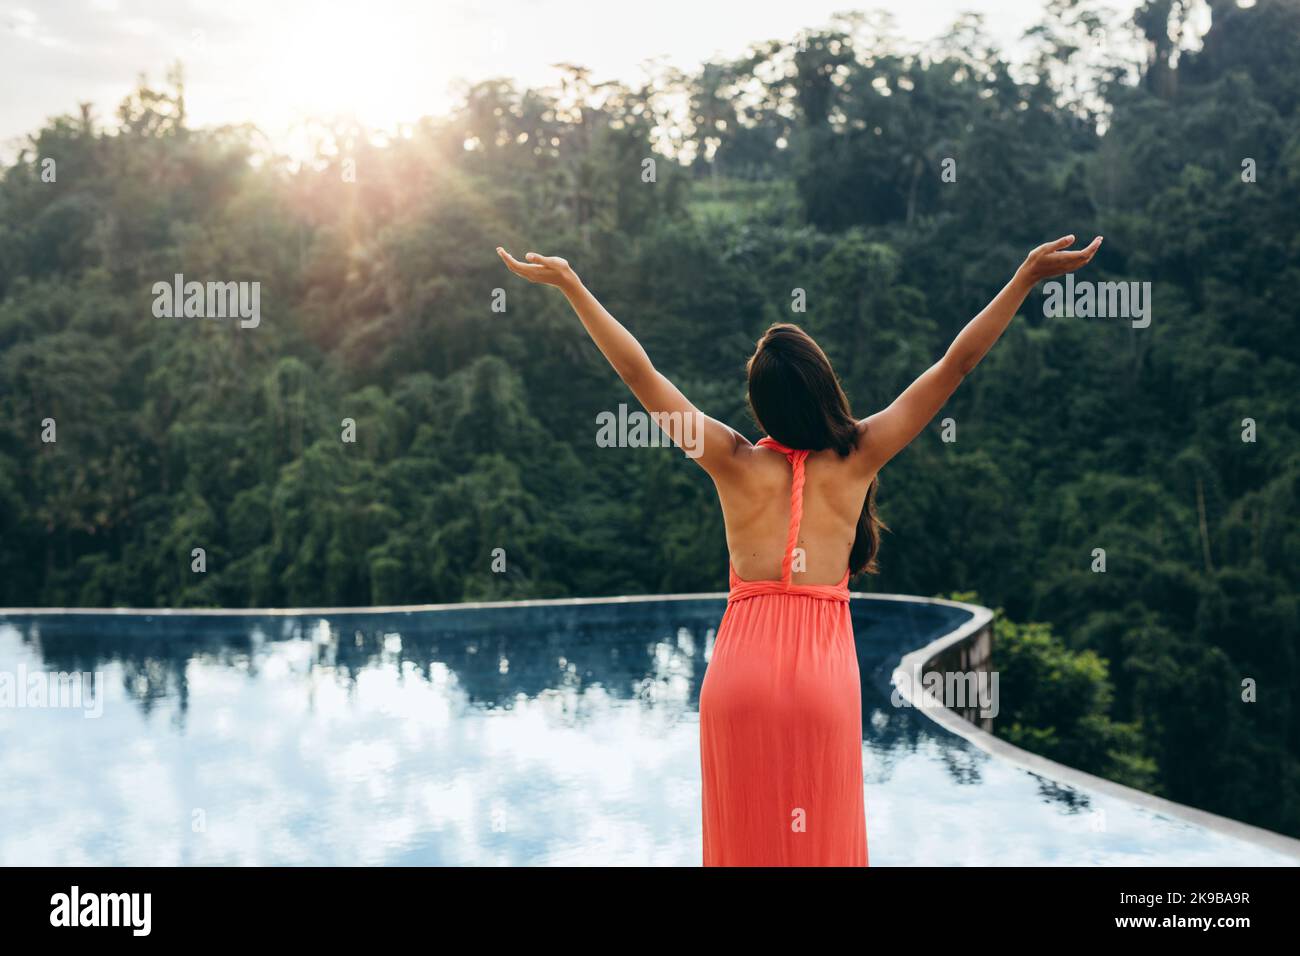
547	270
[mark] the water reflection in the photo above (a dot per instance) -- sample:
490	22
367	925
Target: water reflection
526	735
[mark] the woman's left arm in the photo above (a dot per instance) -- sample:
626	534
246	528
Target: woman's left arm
712	444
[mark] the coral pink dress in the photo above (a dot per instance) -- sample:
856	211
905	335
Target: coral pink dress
781	720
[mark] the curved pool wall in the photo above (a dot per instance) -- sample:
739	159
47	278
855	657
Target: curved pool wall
515	733
969	649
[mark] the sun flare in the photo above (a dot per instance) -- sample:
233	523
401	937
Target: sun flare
375	69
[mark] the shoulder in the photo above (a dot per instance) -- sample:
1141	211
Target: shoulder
865	457
752	466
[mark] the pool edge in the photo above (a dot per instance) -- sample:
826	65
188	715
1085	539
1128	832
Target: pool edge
912	664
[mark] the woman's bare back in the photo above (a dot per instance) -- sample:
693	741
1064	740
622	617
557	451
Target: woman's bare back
755	498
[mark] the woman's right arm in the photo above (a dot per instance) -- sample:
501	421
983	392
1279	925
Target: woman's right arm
886	433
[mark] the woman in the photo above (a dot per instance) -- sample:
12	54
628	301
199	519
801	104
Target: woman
780	706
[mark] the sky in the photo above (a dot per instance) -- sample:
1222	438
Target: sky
276	62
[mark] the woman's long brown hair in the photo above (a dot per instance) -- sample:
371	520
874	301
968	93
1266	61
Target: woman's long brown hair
796	398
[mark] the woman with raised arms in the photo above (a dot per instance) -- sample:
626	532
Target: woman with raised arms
780	706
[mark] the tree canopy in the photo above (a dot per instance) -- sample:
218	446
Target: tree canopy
812	163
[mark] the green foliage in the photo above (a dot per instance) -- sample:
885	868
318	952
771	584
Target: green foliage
808	165
1057	702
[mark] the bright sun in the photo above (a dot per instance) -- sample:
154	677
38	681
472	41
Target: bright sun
375	68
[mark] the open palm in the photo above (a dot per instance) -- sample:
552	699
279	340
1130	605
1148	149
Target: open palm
1054	259
547	270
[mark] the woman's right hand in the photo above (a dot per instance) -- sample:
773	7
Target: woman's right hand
1050	259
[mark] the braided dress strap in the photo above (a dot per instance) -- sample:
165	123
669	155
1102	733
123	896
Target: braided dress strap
796	459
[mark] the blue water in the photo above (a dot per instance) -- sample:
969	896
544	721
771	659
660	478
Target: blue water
534	735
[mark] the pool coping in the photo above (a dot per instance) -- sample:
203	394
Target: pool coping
911	665
384	609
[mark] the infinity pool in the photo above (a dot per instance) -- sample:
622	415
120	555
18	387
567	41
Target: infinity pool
558	733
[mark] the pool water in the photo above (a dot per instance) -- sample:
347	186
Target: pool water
535	734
